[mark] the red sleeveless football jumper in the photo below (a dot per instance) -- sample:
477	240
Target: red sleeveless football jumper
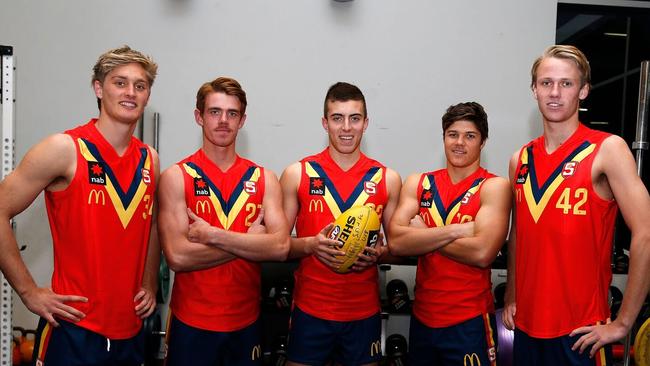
449	292
100	231
325	191
564	237
226	297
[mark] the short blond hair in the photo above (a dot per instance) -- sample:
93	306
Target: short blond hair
564	52
124	55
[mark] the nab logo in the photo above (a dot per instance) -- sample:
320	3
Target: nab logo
146	177
569	169
316	186
250	187
466	198
201	187
96	173
522	175
370	187
426	200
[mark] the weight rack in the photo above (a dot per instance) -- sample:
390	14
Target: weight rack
8	144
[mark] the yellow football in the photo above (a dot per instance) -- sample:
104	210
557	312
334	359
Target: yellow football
355	229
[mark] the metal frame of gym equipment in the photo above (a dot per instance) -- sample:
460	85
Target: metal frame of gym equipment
8	143
640	145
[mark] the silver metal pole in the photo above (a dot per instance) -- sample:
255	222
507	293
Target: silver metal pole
8	142
140	130
156	131
640	145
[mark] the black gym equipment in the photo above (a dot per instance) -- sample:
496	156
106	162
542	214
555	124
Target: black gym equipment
499	295
615	298
283	296
621	261
153	335
164	277
280	351
398	296
396	350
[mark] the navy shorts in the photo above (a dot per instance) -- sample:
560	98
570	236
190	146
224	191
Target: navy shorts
70	345
188	345
314	341
472	342
555	351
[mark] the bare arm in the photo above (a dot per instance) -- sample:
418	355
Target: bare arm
393	186
490	227
145	299
615	162
302	247
510	304
272	245
51	163
405	240
173	223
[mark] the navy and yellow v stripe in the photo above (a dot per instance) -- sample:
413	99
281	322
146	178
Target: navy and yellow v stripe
332	198
537	197
125	203
226	211
440	214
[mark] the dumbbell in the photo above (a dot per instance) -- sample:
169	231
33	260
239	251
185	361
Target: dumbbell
396	350
16	356
283	294
152	337
23	348
398	296
280	351
499	295
616	298
621	261
642	345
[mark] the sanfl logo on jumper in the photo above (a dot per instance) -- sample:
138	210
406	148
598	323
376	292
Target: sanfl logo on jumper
250	187
569	169
370	187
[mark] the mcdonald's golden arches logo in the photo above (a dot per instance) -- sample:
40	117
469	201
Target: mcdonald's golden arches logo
375	348
256	352
97	194
315	205
204	205
471	360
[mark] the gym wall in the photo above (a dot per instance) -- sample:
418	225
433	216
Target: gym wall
412	59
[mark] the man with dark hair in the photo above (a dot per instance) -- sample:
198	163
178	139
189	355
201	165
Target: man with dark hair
335	315
220	215
99	184
456	220
568	184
